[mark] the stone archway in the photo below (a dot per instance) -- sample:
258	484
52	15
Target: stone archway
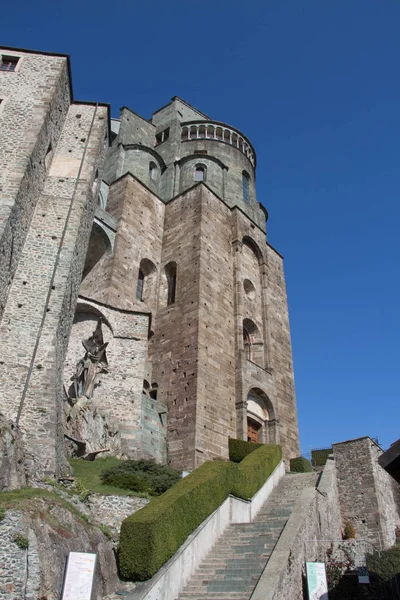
261	421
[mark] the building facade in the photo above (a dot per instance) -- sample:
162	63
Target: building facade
150	234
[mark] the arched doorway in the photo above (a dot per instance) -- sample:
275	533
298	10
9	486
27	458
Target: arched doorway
260	418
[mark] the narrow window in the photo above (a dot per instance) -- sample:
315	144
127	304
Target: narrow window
170	272
200	173
48	157
9	63
139	287
153	171
246	186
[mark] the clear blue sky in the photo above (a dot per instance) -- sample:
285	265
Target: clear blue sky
315	86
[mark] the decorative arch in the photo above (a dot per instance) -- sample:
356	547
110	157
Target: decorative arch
150	151
195	157
261	419
100	244
254	247
85	307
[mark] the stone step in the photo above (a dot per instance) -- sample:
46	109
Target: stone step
234	565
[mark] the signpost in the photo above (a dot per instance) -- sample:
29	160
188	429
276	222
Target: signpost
316	581
78	581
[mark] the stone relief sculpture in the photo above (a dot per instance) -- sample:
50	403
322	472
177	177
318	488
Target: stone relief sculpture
93	363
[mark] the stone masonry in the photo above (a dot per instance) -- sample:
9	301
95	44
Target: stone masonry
366	491
45	273
167	246
181	191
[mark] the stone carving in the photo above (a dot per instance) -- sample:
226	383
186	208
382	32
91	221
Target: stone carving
93	363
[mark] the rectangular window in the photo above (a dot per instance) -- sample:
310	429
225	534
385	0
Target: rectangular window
162	137
9	63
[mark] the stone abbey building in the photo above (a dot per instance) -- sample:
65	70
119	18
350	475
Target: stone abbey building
141	309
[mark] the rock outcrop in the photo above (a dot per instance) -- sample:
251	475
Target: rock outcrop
35	539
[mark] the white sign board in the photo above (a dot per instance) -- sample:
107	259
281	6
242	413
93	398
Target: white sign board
79	575
316	581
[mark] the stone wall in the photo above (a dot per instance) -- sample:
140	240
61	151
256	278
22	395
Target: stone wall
35	100
312	522
41	303
366	492
139	217
174	351
216	416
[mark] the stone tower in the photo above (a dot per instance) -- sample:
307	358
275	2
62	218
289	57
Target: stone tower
190	253
160	259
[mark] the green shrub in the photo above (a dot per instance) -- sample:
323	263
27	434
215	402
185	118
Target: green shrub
385	564
152	535
239	449
2	513
319	457
300	465
127	481
21	541
349	531
141	476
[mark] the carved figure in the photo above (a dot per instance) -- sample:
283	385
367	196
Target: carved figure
93	363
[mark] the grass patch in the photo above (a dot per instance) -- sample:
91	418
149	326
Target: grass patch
89	475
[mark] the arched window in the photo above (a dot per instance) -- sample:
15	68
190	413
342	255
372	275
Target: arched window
170	272
246	186
252	342
145	288
200	173
153	170
139	287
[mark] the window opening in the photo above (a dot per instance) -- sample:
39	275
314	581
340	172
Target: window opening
9	63
48	156
139	287
200	173
170	271
162	137
153	171
246	186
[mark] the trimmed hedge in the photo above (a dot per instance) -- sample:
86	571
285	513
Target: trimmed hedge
152	535
300	465
319	457
239	449
255	469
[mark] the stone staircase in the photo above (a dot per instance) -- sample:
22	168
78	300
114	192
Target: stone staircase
234	565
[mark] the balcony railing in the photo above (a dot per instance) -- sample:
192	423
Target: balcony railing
205	130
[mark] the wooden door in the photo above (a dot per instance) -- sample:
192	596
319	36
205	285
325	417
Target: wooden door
252	431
